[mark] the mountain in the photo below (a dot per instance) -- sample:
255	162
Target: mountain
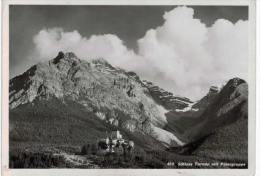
68	102
226	123
221	130
227	107
111	94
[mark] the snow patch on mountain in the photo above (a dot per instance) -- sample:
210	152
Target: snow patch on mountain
162	111
167	138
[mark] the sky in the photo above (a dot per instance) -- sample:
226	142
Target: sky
183	49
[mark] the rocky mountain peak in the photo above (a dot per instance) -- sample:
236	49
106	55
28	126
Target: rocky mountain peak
67	57
165	98
70	55
235	82
233	87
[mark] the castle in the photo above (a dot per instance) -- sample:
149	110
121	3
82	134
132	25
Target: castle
115	143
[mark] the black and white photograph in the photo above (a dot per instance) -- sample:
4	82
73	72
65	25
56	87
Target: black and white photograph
128	86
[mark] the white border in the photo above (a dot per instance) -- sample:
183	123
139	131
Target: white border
1	84
257	88
128	172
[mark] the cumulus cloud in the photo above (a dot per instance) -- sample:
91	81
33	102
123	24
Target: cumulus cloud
183	55
48	42
193	57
